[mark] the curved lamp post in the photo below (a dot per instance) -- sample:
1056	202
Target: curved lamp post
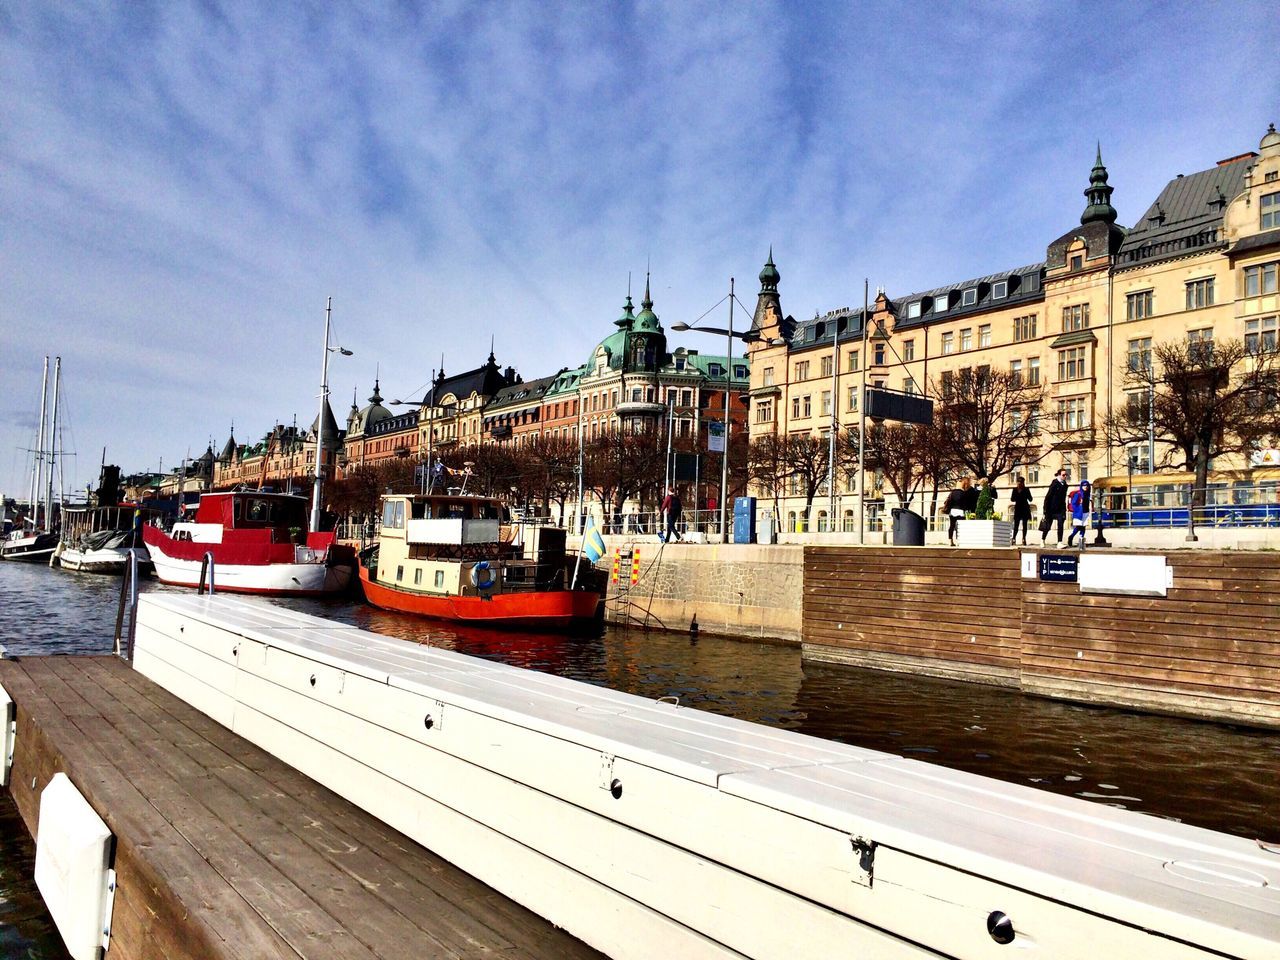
324	405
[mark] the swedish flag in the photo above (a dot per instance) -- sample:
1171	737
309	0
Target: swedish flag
592	542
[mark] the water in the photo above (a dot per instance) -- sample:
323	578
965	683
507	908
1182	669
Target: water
1212	775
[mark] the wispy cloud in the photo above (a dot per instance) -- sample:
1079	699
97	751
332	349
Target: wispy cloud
185	183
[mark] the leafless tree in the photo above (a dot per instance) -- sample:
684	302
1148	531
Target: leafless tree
909	456
985	422
1210	400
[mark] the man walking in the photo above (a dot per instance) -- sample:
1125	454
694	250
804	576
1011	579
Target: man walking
1055	506
672	508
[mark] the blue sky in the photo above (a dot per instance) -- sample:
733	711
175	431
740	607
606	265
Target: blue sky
183	184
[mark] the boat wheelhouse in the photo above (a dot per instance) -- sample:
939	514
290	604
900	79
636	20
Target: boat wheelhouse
456	557
258	542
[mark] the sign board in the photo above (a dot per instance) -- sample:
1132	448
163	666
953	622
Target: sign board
882	404
1030	569
685	467
1129	574
1265	458
1059	567
715	436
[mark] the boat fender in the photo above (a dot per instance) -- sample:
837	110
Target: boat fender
482	576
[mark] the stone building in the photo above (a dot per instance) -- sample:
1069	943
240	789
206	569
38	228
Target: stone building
284	459
1200	264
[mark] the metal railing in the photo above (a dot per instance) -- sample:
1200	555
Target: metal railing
128	605
1168	506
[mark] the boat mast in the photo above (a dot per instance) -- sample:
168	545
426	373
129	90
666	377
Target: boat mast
53	444
37	473
324	402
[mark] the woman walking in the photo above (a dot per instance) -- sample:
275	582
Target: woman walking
957	505
1021	498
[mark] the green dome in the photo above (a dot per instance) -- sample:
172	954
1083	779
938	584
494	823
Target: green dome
647	321
769	276
628	315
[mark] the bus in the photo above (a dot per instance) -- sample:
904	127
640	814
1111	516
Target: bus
1233	498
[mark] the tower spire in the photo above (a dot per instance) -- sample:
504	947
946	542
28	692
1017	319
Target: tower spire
1098	194
769	275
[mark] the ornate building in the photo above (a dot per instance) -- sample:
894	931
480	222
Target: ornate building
1200	264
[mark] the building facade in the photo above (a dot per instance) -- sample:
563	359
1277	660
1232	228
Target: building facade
1200	265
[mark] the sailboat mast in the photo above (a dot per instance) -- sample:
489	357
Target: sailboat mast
53	443
37	473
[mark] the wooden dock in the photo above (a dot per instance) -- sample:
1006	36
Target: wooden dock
224	851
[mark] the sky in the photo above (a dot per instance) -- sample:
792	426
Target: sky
183	185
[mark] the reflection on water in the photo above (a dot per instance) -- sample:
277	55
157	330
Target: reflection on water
1212	775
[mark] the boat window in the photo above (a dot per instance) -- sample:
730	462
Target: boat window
454	511
489	511
258	511
417	577
419	509
399	520
393	514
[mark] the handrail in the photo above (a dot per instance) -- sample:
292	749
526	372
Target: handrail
123	646
206	571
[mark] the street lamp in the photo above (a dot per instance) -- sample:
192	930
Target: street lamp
729	335
324	405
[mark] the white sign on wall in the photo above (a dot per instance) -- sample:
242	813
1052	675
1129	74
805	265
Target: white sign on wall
1125	573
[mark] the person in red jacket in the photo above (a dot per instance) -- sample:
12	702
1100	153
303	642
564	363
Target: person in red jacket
671	509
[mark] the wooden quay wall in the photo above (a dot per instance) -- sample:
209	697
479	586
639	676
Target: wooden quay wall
1210	648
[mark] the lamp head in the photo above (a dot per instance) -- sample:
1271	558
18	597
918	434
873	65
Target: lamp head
345	352
681	326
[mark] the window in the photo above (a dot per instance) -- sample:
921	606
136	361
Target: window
1260	335
807	405
948	343
768	376
1071	415
679	364
969	297
636	394
826	403
999	289
948	384
1033	372
1138	405
1077	262
1260	279
1075	317
740	371
984	335
909	386
940	303
853	361
913	310
1200	293
1140	355
1015	372
1071	363
802	370
908	351
1271	177
439	578
795	408
826	366
686	397
717	369
1270	208
764	411
417	577
982	381
1024	328
852	402
879	354
1139	306
399	573
966	340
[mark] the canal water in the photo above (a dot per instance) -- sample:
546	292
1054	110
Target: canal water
1213	775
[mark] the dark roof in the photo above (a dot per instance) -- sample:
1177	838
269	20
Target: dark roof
393	424
1025	286
486	381
1187	214
1259	241
822	329
519	393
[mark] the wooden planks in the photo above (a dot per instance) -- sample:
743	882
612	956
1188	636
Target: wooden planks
223	851
948	612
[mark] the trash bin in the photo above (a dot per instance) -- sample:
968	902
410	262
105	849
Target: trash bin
908	528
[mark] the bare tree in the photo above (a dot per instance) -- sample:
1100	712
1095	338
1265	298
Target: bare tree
621	465
1204	400
909	456
767	466
806	459
547	471
985	421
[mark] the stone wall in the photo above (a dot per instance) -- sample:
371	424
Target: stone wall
743	590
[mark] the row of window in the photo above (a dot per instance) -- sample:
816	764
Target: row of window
968	298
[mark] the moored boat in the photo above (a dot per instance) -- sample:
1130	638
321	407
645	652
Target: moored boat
30	546
101	539
449	557
258	542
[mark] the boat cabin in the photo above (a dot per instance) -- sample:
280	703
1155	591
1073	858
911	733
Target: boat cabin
277	517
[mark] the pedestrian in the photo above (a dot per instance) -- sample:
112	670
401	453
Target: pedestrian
1055	506
671	508
1021	499
956	506
1080	502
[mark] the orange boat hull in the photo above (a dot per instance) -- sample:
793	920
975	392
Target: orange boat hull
537	609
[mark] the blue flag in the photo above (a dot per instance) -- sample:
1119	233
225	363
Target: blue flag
592	542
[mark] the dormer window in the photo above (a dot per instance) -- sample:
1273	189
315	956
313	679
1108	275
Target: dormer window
913	310
679	363
999	289
940	303
740	372
969	297
715	370
1077	262
1270	207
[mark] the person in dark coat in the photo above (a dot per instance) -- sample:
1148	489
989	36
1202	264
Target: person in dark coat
672	508
1055	506
1021	499
960	501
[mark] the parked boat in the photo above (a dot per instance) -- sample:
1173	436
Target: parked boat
101	539
37	539
450	557
259	543
30	546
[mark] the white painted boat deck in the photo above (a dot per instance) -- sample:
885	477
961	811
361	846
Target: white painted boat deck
650	829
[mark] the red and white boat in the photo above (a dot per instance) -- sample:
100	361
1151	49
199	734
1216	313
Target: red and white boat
450	557
259	544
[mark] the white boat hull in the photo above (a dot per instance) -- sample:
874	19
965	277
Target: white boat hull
275	578
107	560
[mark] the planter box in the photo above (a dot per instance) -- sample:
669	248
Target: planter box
983	533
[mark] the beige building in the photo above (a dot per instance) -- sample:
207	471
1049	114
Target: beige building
1201	263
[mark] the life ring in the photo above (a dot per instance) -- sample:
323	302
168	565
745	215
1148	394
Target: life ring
482	576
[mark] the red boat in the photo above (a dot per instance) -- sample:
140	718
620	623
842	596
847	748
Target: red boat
453	558
259	544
